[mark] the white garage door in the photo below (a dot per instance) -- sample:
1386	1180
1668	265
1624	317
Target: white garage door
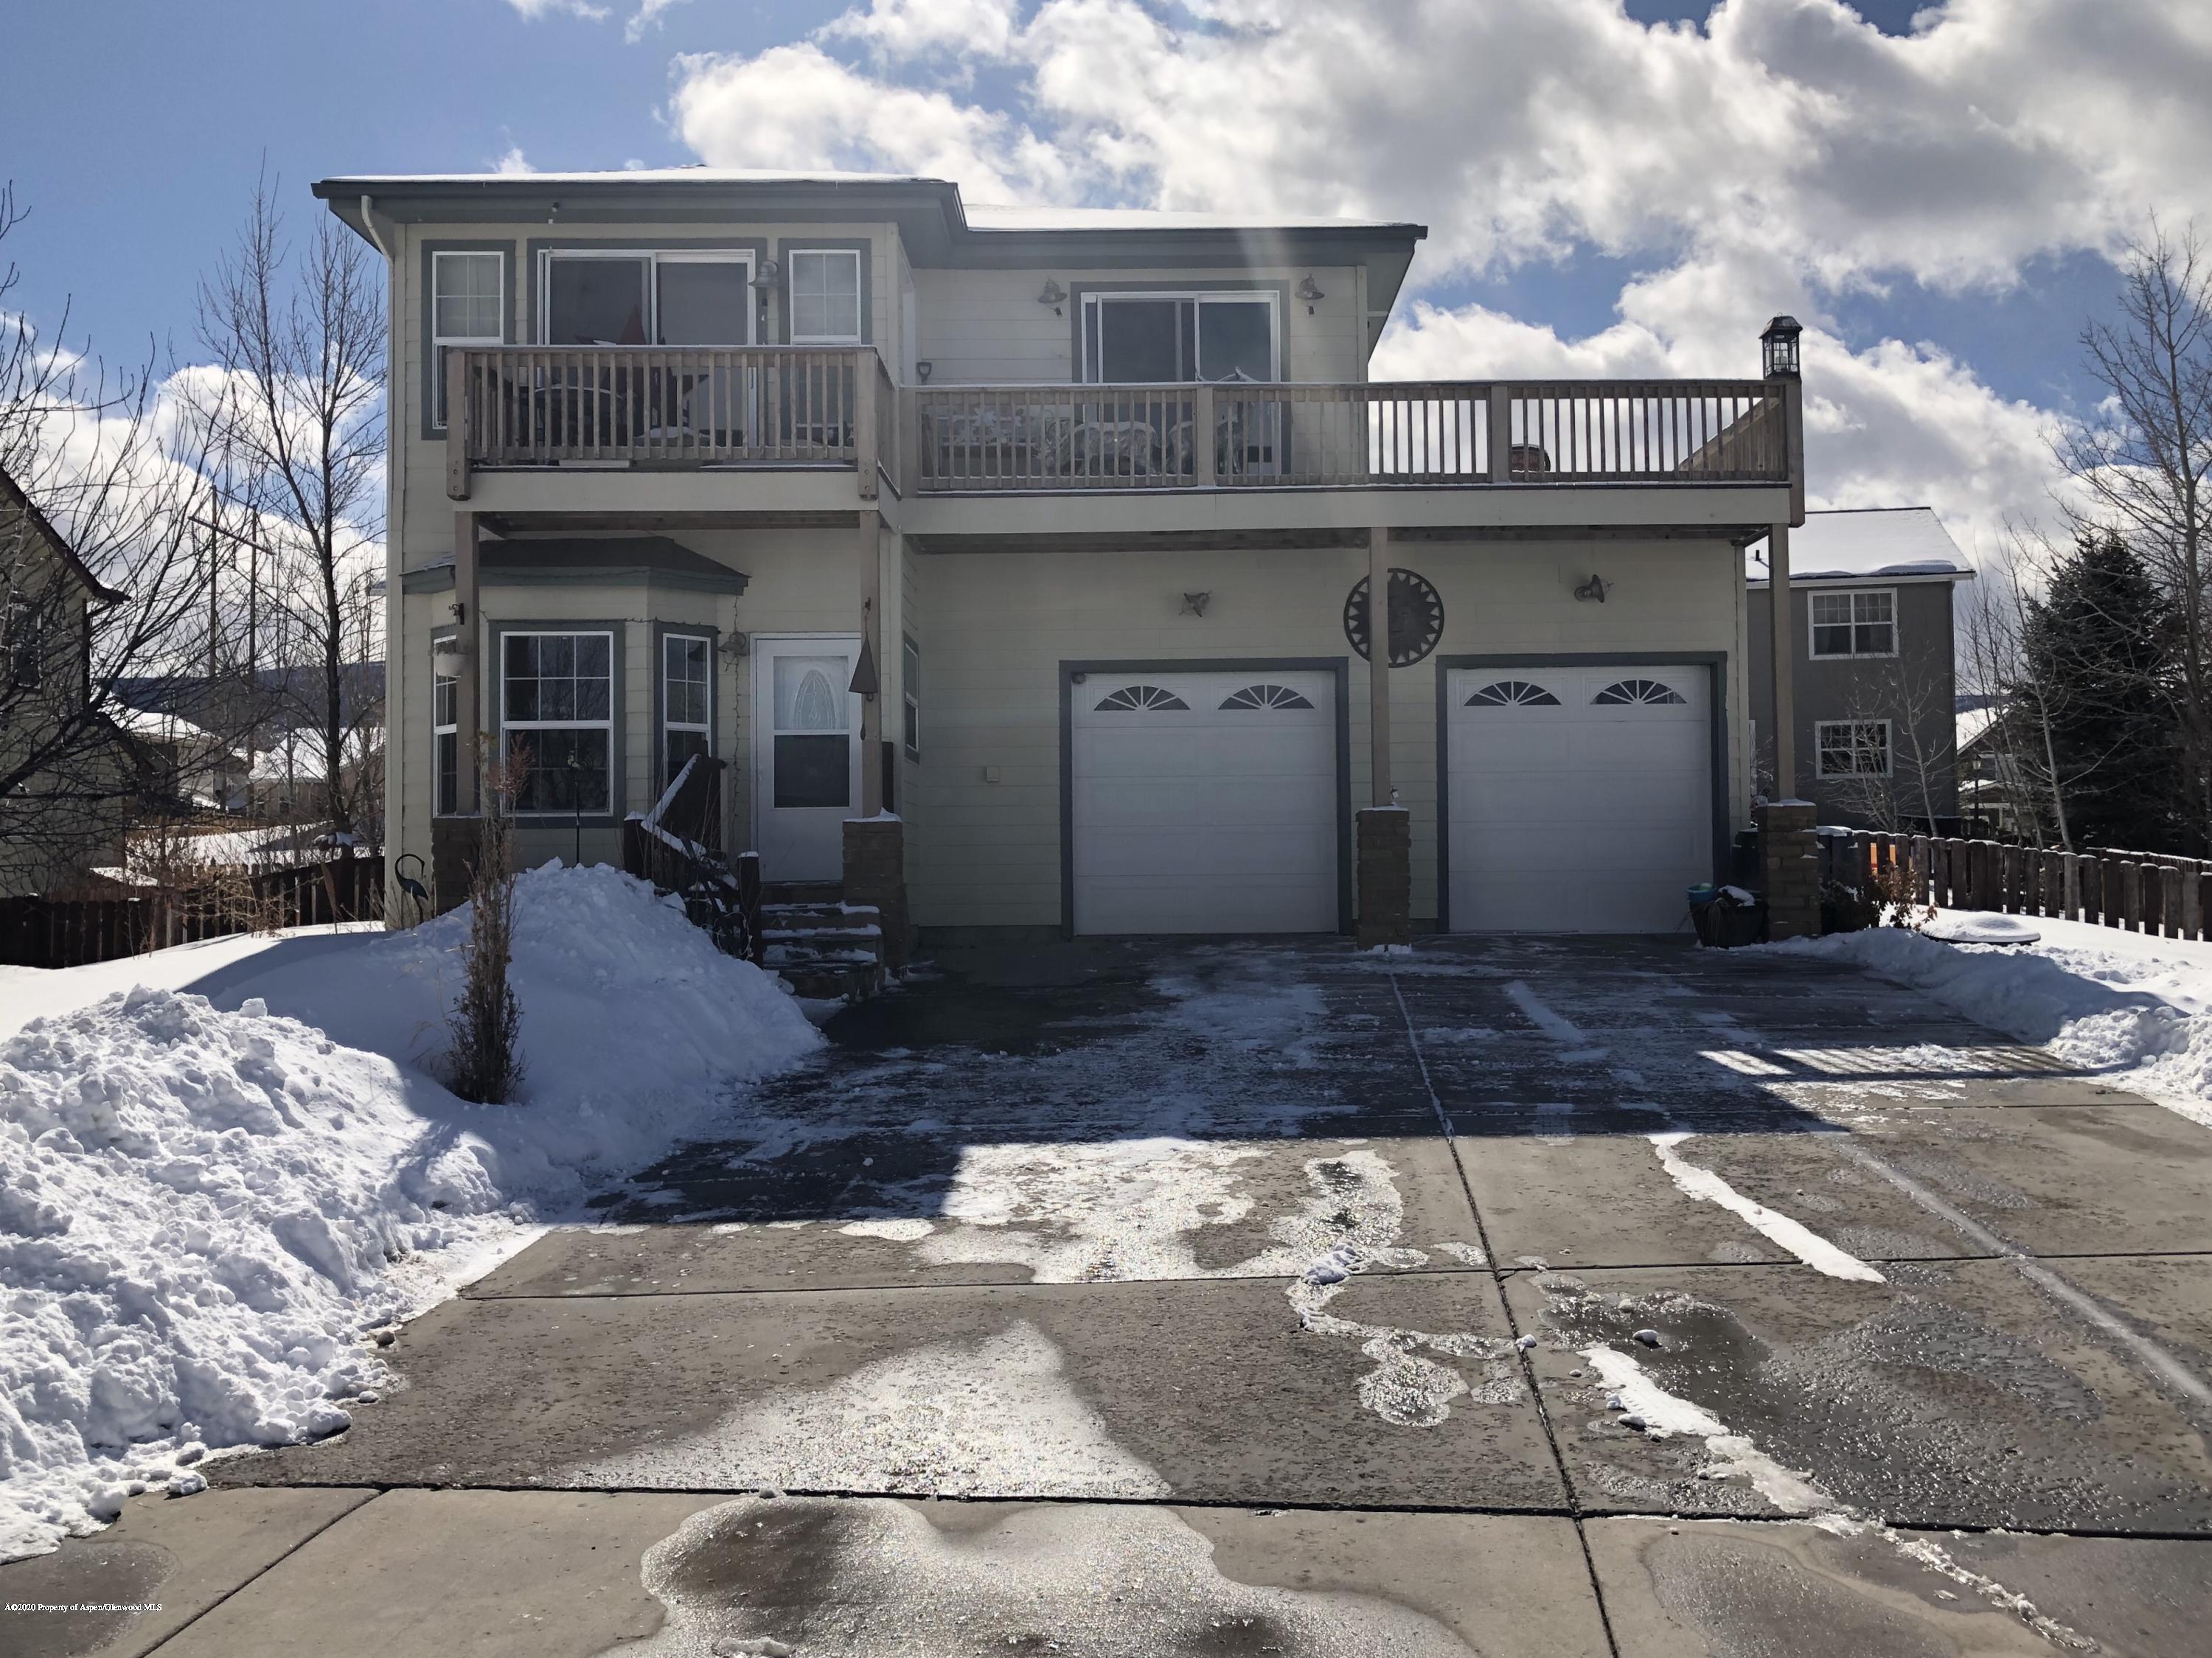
1205	802
1581	798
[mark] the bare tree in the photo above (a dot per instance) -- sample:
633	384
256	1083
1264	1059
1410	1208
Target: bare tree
294	400
99	583
2142	473
1922	755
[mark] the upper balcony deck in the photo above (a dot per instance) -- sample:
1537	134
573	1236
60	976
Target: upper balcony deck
768	409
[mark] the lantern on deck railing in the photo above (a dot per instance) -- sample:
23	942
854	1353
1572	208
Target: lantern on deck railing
1778	348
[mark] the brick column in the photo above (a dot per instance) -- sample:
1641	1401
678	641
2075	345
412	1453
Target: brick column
1384	878
875	873
1790	853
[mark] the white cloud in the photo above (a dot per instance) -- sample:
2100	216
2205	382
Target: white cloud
534	10
513	161
1783	156
647	16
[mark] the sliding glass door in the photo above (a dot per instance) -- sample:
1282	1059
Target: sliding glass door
640	299
1229	339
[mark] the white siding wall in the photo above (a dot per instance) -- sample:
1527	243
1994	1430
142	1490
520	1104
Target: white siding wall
986	327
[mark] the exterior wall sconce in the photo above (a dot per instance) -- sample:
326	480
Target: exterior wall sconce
1053	294
1595	588
737	645
1310	290
923	369
1778	348
1195	604
771	274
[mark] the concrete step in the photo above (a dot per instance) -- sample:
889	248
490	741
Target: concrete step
856	918
801	892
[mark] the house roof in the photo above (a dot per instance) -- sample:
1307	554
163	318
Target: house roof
937	228
1885	543
99	589
1971	725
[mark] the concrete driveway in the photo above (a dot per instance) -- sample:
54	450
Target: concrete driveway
1516	1297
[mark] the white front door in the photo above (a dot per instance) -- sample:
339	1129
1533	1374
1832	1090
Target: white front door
1205	802
1582	797
806	754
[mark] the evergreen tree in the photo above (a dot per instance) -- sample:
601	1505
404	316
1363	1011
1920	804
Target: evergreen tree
2100	641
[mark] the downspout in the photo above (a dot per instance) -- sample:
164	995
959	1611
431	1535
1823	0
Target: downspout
368	223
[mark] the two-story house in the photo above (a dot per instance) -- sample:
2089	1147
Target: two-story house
68	775
1871	635
1051	533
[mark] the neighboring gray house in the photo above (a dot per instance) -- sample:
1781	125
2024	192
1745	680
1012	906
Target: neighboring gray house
1050	533
1876	684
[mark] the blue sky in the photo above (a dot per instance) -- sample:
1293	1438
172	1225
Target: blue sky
1603	198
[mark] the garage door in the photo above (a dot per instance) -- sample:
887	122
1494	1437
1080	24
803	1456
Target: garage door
1205	802
1581	798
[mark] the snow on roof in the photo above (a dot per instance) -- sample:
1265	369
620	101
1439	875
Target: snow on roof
690	175
158	727
1872	541
998	218
1969	725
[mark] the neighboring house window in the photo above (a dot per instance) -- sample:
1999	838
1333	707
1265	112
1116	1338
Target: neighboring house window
912	687
445	744
18	643
687	724
1852	748
468	307
1855	623
556	708
825	296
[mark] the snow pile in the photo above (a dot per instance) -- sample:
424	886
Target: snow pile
206	1204
2136	1010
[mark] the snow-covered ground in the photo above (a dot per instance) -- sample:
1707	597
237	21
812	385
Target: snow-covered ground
2138	1010
209	1200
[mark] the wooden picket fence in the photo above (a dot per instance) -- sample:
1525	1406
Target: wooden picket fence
2136	891
52	933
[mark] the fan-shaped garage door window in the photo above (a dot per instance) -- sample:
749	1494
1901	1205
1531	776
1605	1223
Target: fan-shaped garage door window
1265	696
1638	691
1513	694
1143	696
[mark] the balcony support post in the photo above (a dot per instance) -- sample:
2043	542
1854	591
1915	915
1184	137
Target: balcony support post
1378	664
1793	406
1782	648
457	425
1205	442
468	679
1499	404
871	645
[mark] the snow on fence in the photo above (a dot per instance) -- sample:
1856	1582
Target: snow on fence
2136	891
63	932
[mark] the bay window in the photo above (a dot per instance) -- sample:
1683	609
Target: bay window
556	719
687	682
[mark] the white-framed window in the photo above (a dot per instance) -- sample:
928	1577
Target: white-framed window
468	307
556	712
1167	337
910	664
640	296
1852	748
445	744
687	700
825	296
1855	623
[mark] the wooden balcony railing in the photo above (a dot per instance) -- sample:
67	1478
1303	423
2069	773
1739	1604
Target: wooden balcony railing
797	407
1426	435
781	407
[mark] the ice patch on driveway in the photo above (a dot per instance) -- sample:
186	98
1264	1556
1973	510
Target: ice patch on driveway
1119	1211
1407	1388
894	1231
997	1418
1252	1014
877	1580
1801	1240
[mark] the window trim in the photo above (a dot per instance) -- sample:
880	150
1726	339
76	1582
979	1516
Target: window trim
1821	749
618	782
1089	299
442	807
910	693
662	633
433	341
1812	651
859	258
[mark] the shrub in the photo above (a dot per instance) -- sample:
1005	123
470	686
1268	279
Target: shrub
486	1059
